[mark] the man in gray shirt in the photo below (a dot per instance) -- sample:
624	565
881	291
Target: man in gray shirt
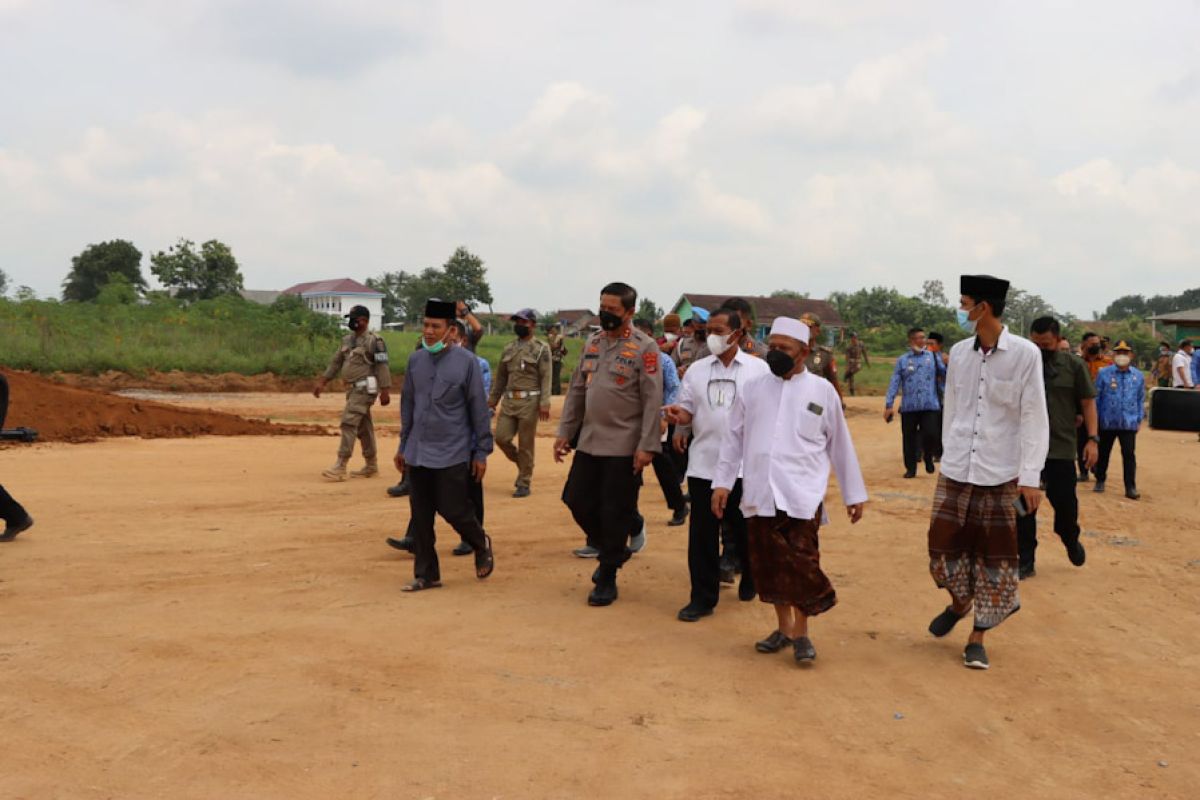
445	439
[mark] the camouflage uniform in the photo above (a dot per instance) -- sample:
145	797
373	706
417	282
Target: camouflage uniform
856	356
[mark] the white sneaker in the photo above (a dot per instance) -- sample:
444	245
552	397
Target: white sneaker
638	542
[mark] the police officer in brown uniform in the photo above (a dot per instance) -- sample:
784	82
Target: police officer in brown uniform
691	347
820	359
856	356
362	361
612	417
558	351
521	388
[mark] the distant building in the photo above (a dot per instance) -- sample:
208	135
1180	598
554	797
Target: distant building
1185	323
336	298
261	296
766	310
576	321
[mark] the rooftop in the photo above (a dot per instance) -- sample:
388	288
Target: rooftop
1192	315
767	309
335	286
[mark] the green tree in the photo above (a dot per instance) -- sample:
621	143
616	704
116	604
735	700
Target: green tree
464	277
1021	308
203	275
394	286
92	268
24	294
789	294
934	293
117	292
648	309
3	283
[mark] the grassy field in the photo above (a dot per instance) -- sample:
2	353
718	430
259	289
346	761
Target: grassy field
214	336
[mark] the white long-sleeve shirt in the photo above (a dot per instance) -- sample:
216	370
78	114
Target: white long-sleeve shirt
709	392
995	428
785	435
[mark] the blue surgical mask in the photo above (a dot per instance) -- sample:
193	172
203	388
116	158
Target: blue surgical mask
964	319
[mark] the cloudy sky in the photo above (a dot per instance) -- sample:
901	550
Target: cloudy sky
739	146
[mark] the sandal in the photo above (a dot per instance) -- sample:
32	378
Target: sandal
419	585
485	562
944	622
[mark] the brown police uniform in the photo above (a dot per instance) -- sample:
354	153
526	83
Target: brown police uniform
820	362
358	359
856	356
612	409
689	351
520	387
558	351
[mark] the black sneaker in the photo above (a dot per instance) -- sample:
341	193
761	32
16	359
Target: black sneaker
605	591
803	650
727	569
944	622
1076	553
912	473
680	517
929	468
1132	493
693	612
1099	487
12	529
405	543
401	489
463	549
1083	477
975	657
522	491
1026	571
746	591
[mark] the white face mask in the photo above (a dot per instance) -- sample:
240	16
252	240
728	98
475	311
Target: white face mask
717	345
670	337
1122	360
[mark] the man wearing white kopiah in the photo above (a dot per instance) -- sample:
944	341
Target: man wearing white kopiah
785	431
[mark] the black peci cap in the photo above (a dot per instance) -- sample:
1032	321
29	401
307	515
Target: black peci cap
983	286
440	309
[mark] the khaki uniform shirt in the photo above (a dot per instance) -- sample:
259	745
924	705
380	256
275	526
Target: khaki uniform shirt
754	347
524	367
360	357
614	402
820	362
856	354
689	351
558	348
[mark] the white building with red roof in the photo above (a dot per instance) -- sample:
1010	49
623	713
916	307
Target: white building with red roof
336	298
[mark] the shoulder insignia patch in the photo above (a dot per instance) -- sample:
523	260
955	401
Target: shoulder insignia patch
650	362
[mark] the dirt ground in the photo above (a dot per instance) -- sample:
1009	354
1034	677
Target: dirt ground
207	618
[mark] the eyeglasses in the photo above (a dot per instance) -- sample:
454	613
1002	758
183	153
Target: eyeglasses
721	392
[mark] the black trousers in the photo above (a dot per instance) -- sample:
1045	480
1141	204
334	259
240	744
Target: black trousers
1081	440
679	460
474	490
602	492
444	492
668	479
10	509
1128	441
1059	476
556	377
704	541
919	429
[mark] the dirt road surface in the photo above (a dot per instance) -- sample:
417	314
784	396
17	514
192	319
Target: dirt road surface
207	618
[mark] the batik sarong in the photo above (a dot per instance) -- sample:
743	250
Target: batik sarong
785	561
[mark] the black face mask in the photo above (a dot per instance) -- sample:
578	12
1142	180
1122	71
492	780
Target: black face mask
1094	350
610	321
780	362
521	330
700	335
353	324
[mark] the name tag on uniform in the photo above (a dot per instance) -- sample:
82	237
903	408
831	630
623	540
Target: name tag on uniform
816	409
381	358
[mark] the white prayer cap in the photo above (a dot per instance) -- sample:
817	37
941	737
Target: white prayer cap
786	326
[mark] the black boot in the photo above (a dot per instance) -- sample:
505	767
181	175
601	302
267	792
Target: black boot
605	591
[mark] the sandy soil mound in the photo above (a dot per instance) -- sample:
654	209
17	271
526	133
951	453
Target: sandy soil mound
67	414
176	381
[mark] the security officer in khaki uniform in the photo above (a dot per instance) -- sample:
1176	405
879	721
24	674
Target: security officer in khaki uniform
612	417
820	359
856	356
521	388
558	351
362	361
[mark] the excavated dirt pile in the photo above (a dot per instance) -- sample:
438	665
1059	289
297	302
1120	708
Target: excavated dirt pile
66	414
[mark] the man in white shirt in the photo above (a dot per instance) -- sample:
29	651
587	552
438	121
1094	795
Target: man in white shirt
1181	366
710	388
785	431
996	434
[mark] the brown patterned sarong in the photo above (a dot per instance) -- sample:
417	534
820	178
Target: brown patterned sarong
785	560
973	547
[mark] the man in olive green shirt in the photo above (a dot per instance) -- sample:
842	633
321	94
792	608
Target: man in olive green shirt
521	389
1070	394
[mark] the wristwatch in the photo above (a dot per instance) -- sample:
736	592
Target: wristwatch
1095	439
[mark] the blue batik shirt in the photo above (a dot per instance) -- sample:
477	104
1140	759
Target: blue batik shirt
1120	398
670	375
916	378
1196	367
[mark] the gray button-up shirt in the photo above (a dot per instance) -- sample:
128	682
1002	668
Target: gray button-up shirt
443	410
